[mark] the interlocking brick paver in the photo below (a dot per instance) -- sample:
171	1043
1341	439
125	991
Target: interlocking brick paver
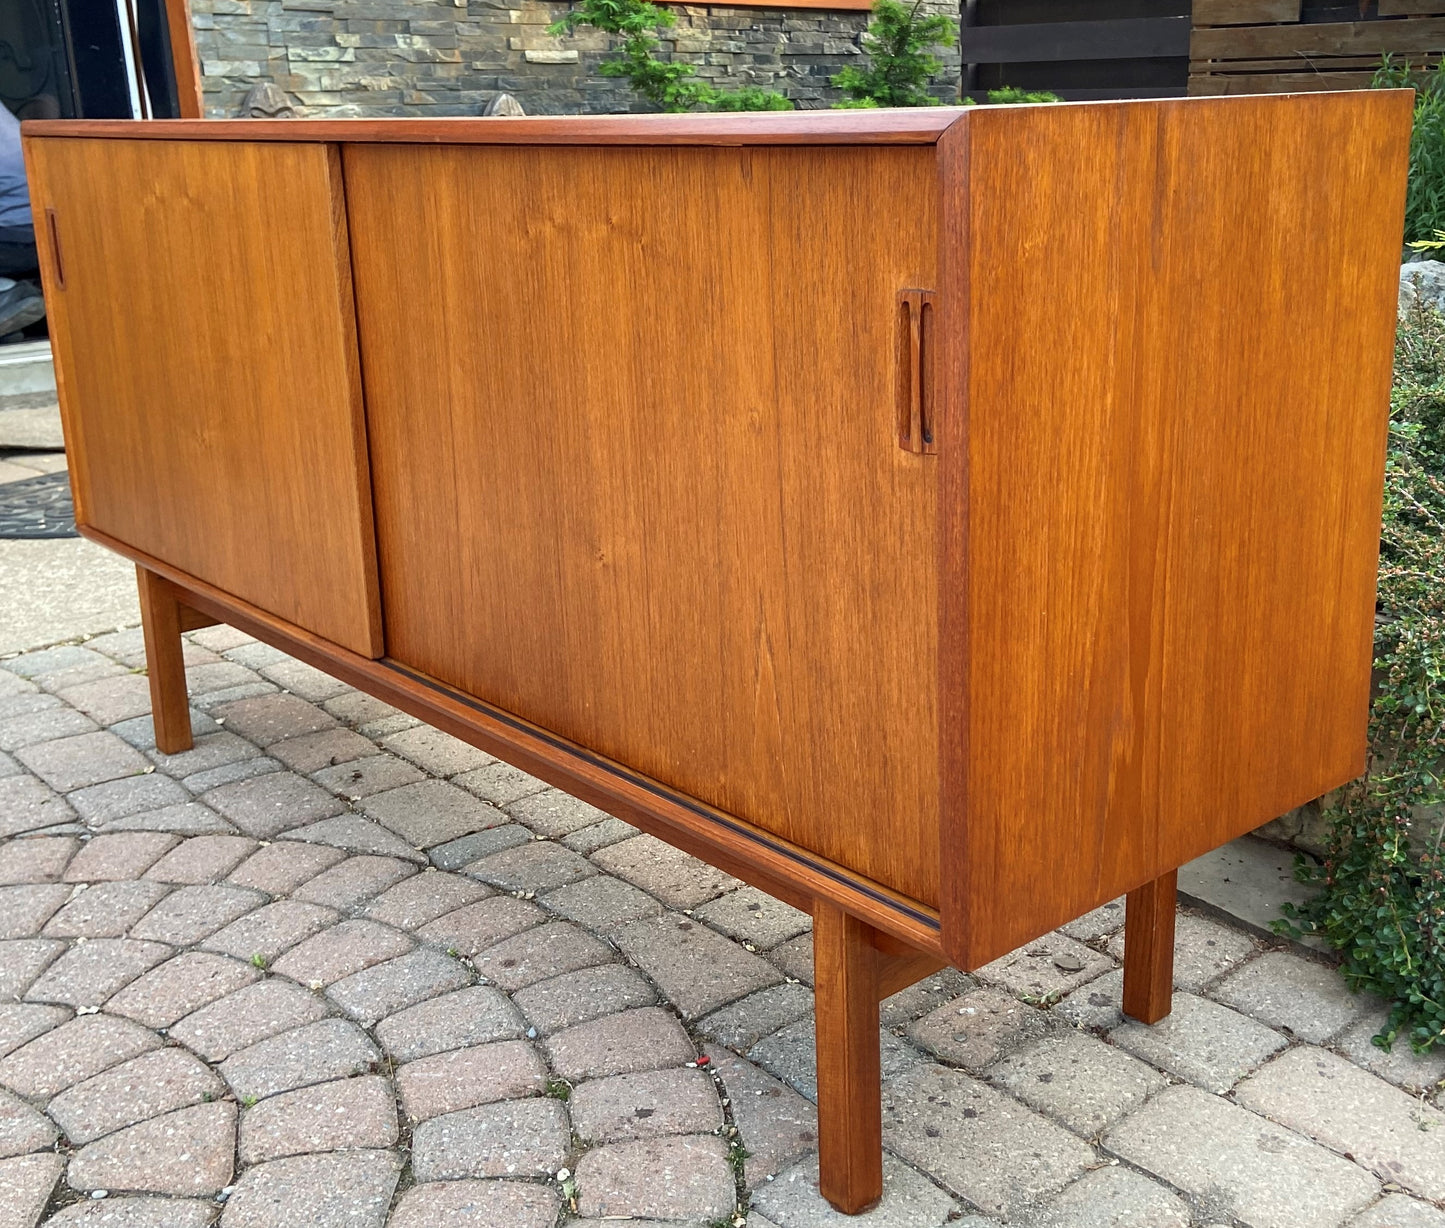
74	1051
500	783
28	805
220	637
554	814
674	877
645	1039
537	866
648	1104
192	913
909	1201
477	1204
266	806
1099	923
741	1024
465	1078
212	701
25	910
978	1028
537	954
1418	1072
44	725
189	1151
383	990
775	1125
179	987
348	1189
481	925
455	854
1099	1004
8	766
22	960
38	859
117	799
21	1022
190	819
358	709
325	748
124	855
1208	1044
752	916
1046	969
271	930
304	680
148	1086
687	1178
476	1015
1398	1211
1077	1080
316	1053
923	996
342	950
1255	1170
587	840
86	759
790	1053
424	897
144	1211
248	1016
49	660
140	732
265	719
1204	950
513	1138
1287	991
230	773
357	835
341	1116
26	703
794	958
210	751
697	968
360	778
602	903
1117	1197
589	993
203	859
25	1186
431	812
1320	1094
22	1129
356	879
107	701
282	867
985	1147
436	752
89	975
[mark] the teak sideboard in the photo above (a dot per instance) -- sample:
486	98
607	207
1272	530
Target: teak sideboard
945	520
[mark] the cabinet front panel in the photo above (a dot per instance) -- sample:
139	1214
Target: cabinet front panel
202	319
634	425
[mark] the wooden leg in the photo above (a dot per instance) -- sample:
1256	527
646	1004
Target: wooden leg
850	1112
161	616
1149	949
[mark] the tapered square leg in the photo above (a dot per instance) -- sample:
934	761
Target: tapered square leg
1149	949
850	1113
161	615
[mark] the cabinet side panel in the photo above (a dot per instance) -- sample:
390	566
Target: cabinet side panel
637	471
1180	330
203	325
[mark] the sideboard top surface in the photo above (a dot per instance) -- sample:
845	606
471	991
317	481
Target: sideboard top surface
883	126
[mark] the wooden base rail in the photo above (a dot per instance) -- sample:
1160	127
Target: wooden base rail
856	964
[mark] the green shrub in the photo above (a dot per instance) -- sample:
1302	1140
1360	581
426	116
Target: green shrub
1425	195
900	65
670	85
1382	886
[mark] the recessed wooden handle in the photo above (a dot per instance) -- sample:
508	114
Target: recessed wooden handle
915	400
54	228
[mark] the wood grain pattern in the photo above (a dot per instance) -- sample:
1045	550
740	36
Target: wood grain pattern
850	1109
161	624
1326	38
905	126
205	350
184	60
1149	948
646	491
1244	12
1165	574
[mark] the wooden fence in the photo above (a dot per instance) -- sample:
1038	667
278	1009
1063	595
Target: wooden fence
1276	46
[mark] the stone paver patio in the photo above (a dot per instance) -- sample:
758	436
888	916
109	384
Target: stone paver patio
334	969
